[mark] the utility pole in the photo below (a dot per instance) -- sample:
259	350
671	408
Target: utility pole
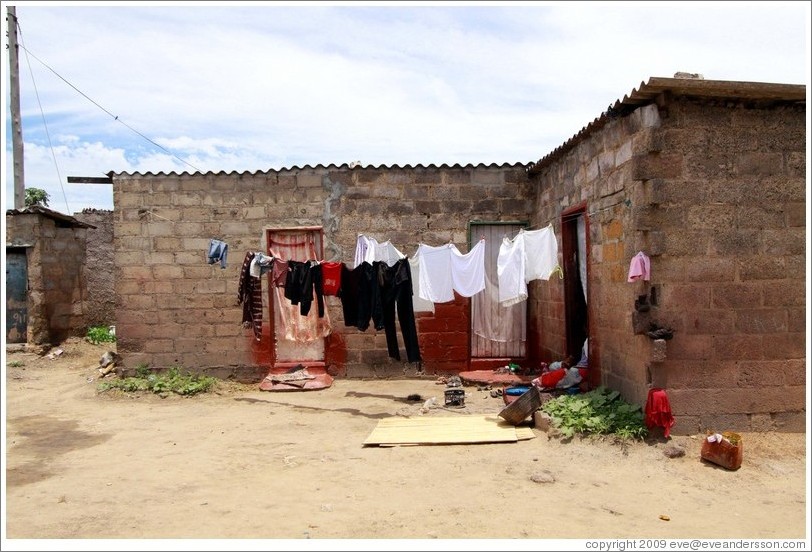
16	121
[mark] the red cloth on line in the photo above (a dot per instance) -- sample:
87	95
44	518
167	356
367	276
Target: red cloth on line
331	277
658	410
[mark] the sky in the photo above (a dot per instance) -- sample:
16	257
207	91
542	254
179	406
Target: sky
255	86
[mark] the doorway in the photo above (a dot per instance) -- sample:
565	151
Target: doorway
574	230
16	295
297	339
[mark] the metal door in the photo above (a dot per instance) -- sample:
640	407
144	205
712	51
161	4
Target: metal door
16	296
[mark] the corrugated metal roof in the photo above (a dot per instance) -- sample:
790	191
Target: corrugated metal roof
700	88
694	88
645	94
53	215
332	166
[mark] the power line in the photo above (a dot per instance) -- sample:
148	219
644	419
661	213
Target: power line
44	122
115	117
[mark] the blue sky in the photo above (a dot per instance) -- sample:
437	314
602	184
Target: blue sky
252	86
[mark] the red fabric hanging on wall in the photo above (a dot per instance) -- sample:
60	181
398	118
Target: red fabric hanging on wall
658	411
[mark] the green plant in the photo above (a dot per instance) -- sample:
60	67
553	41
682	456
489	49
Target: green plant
142	370
16	363
100	334
36	196
172	380
599	411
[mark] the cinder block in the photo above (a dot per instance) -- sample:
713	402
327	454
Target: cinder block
542	421
640	322
761	422
658	351
791	422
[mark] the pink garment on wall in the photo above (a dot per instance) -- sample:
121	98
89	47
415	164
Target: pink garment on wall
640	268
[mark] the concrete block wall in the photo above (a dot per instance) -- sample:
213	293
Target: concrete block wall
56	281
175	309
728	206
597	173
714	193
99	269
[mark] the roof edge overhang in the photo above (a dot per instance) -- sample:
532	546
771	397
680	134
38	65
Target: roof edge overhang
48	213
657	87
344	166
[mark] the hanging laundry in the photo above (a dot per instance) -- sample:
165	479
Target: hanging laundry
362	244
249	294
395	293
510	271
468	271
279	272
355	301
530	255
436	284
640	268
331	277
218	252
418	303
540	253
444	270
370	250
373	292
304	281
260	264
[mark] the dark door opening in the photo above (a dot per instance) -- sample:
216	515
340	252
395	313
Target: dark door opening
574	248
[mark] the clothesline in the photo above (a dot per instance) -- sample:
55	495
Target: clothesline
154	214
575	215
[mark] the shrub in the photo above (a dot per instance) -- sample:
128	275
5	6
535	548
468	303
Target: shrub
100	334
36	196
170	381
599	411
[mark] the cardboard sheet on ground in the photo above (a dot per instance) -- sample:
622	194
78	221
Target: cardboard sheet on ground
446	430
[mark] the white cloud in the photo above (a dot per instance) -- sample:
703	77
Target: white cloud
265	87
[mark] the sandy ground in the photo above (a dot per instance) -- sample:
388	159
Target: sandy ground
240	463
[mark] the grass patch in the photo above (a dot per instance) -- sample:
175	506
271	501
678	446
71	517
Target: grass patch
100	334
16	363
599	411
172	380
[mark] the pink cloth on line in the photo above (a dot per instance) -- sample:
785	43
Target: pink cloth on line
640	268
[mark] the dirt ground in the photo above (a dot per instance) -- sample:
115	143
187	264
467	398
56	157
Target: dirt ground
240	463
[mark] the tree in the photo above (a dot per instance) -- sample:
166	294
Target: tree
36	196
